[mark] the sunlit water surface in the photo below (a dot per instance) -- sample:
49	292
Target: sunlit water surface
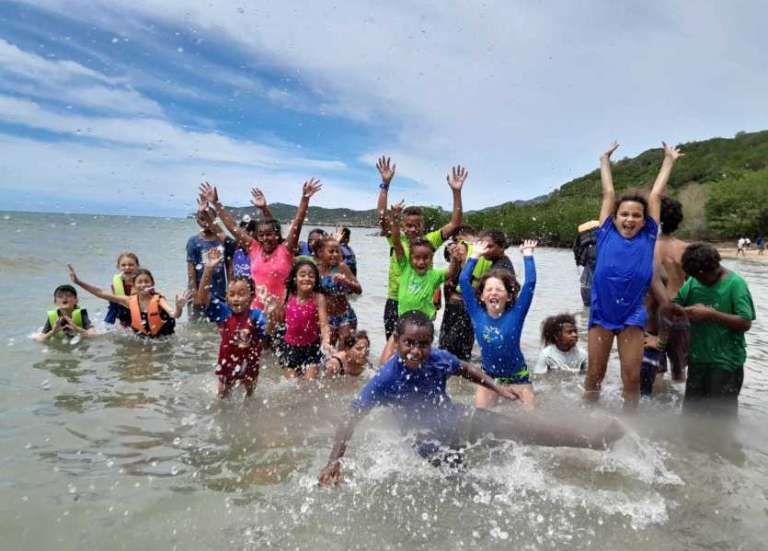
118	444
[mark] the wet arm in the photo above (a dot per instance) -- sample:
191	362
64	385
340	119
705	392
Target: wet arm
331	474
322	314
298	221
350	281
478	376
397	244
456	216
467	291
101	293
660	185
231	224
609	194
203	294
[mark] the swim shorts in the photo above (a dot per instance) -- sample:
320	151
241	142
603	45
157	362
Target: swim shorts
299	357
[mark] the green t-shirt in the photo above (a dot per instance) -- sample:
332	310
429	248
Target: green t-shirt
434	237
713	343
415	291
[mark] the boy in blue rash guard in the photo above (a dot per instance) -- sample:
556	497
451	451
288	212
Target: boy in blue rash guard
498	313
413	383
623	274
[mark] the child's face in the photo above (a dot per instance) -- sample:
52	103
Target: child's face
568	337
204	219
330	253
313	238
494	250
359	352
414	345
629	219
65	301
127	266
239	296
421	259
305	279
413	226
459	251
267	236
495	296
143	284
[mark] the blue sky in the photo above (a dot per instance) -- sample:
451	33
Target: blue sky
124	107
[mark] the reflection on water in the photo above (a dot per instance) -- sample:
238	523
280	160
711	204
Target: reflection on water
119	442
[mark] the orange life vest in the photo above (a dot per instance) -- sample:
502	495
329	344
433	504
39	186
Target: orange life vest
153	315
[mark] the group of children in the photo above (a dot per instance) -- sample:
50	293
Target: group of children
263	290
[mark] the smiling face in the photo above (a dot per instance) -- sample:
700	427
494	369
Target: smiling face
421	259
495	296
127	266
239	296
494	250
358	353
305	280
413	226
567	338
414	345
268	237
629	218
330	253
143	284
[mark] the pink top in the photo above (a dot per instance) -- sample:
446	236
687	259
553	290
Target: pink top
302	322
269	270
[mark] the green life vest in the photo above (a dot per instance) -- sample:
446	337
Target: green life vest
77	317
117	285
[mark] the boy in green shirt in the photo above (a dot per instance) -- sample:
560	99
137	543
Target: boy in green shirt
413	228
720	308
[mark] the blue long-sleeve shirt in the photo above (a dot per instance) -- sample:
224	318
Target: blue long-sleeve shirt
499	339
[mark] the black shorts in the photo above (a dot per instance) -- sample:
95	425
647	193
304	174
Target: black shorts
390	317
713	389
299	357
456	333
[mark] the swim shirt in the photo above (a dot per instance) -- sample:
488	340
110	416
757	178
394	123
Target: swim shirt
241	339
622	275
418	396
241	264
197	246
499	339
415	291
551	357
435	237
269	270
302	322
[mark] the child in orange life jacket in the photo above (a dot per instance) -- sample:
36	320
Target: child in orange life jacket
122	282
151	315
67	319
242	328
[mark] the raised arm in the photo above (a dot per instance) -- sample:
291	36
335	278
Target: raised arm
309	188
212	259
259	201
526	293
671	155
478	376
387	172
456	179
395	215
331	473
181	301
101	293
606	178
209	195
465	279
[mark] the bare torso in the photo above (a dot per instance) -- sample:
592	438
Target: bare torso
669	256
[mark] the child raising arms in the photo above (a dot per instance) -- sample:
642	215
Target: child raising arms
242	328
623	272
151	315
122	282
336	282
497	314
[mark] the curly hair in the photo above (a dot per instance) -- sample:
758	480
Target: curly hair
631	196
507	279
552	327
422	242
413	211
700	258
351	339
244	279
274	225
290	282
671	215
413	317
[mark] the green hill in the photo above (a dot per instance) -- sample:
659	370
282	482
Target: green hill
722	183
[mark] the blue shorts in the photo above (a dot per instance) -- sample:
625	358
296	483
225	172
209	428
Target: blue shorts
348	317
635	319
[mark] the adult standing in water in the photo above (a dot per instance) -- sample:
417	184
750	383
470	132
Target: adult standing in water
271	256
412	227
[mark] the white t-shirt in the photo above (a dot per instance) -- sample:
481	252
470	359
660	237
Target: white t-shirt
551	357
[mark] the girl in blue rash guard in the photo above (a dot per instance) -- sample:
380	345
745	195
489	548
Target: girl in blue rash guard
498	314
623	272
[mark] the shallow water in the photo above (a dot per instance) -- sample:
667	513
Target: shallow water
113	443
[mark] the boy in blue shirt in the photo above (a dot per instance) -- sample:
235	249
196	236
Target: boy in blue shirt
413	383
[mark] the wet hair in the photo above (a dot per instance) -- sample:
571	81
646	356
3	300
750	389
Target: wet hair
317	231
422	242
671	215
447	251
700	258
290	282
321	243
128	254
465	229
144	271
412	211
414	317
507	279
65	289
552	327
631	196
498	237
274	226
245	279
351	340
345	233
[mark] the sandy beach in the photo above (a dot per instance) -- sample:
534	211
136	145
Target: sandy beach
750	255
